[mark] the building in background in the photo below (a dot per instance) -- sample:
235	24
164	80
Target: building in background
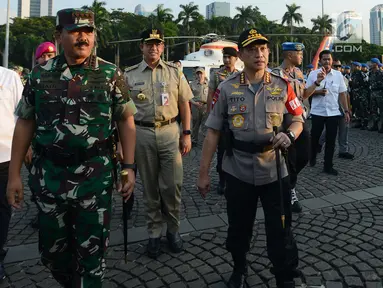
140	10
376	25
349	27
34	8
218	9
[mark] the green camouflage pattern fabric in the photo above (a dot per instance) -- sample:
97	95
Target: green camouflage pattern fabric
74	108
376	84
360	96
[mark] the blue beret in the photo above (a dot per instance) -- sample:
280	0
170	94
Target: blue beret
293	46
310	66
380	65
375	60
357	64
364	65
347	67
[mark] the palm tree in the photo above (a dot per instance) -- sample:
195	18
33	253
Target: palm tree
188	14
163	14
244	19
102	21
291	16
322	24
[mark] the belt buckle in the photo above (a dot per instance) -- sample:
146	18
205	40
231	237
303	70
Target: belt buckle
157	124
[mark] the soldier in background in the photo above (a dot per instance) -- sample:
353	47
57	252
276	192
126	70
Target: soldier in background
161	92
298	152
359	87
376	84
230	56
44	52
71	104
199	87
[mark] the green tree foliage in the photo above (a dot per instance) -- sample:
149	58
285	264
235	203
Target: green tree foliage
117	25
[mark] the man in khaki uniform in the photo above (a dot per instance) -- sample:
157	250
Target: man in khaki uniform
159	89
244	107
230	57
199	87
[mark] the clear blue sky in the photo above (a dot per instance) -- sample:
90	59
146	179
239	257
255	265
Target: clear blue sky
273	9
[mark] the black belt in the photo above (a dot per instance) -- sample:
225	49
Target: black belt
74	157
157	124
250	147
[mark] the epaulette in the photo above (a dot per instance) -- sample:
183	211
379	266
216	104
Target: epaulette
102	61
132	68
173	65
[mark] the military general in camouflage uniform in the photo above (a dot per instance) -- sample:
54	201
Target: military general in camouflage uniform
229	59
71	103
376	85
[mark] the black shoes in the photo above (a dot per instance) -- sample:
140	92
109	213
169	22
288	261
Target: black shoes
313	162
295	205
346	156
2	271
331	171
237	279
175	242
154	247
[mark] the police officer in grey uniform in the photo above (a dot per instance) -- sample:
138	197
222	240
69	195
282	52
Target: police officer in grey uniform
244	107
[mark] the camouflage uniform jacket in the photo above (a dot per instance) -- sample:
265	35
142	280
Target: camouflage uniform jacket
73	107
376	80
358	82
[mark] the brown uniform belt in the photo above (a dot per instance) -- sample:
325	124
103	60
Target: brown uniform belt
250	147
157	124
74	157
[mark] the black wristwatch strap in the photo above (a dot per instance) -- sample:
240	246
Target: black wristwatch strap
128	166
316	83
292	139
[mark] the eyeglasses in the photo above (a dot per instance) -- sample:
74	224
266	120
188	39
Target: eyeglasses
337	66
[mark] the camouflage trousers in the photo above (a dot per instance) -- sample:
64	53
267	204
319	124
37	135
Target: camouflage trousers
376	103
74	222
361	105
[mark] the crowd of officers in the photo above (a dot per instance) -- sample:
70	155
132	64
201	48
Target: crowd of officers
75	106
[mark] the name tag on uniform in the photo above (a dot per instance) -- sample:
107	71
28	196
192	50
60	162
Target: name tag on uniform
165	99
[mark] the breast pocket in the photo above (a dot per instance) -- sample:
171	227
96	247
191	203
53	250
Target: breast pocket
50	108
96	110
334	88
274	113
238	116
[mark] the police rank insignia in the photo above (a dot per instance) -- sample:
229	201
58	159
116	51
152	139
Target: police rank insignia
238	121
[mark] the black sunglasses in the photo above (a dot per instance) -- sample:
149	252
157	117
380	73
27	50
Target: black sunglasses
337	66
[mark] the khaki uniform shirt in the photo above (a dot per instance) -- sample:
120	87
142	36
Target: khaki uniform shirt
249	114
217	77
157	92
199	91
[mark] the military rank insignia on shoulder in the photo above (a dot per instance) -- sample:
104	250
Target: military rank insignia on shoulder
171	64
131	68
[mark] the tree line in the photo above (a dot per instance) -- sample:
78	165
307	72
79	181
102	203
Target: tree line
116	25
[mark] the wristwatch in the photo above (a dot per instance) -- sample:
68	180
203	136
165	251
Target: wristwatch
316	83
186	132
128	166
291	136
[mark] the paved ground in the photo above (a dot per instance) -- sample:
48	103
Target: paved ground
340	233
